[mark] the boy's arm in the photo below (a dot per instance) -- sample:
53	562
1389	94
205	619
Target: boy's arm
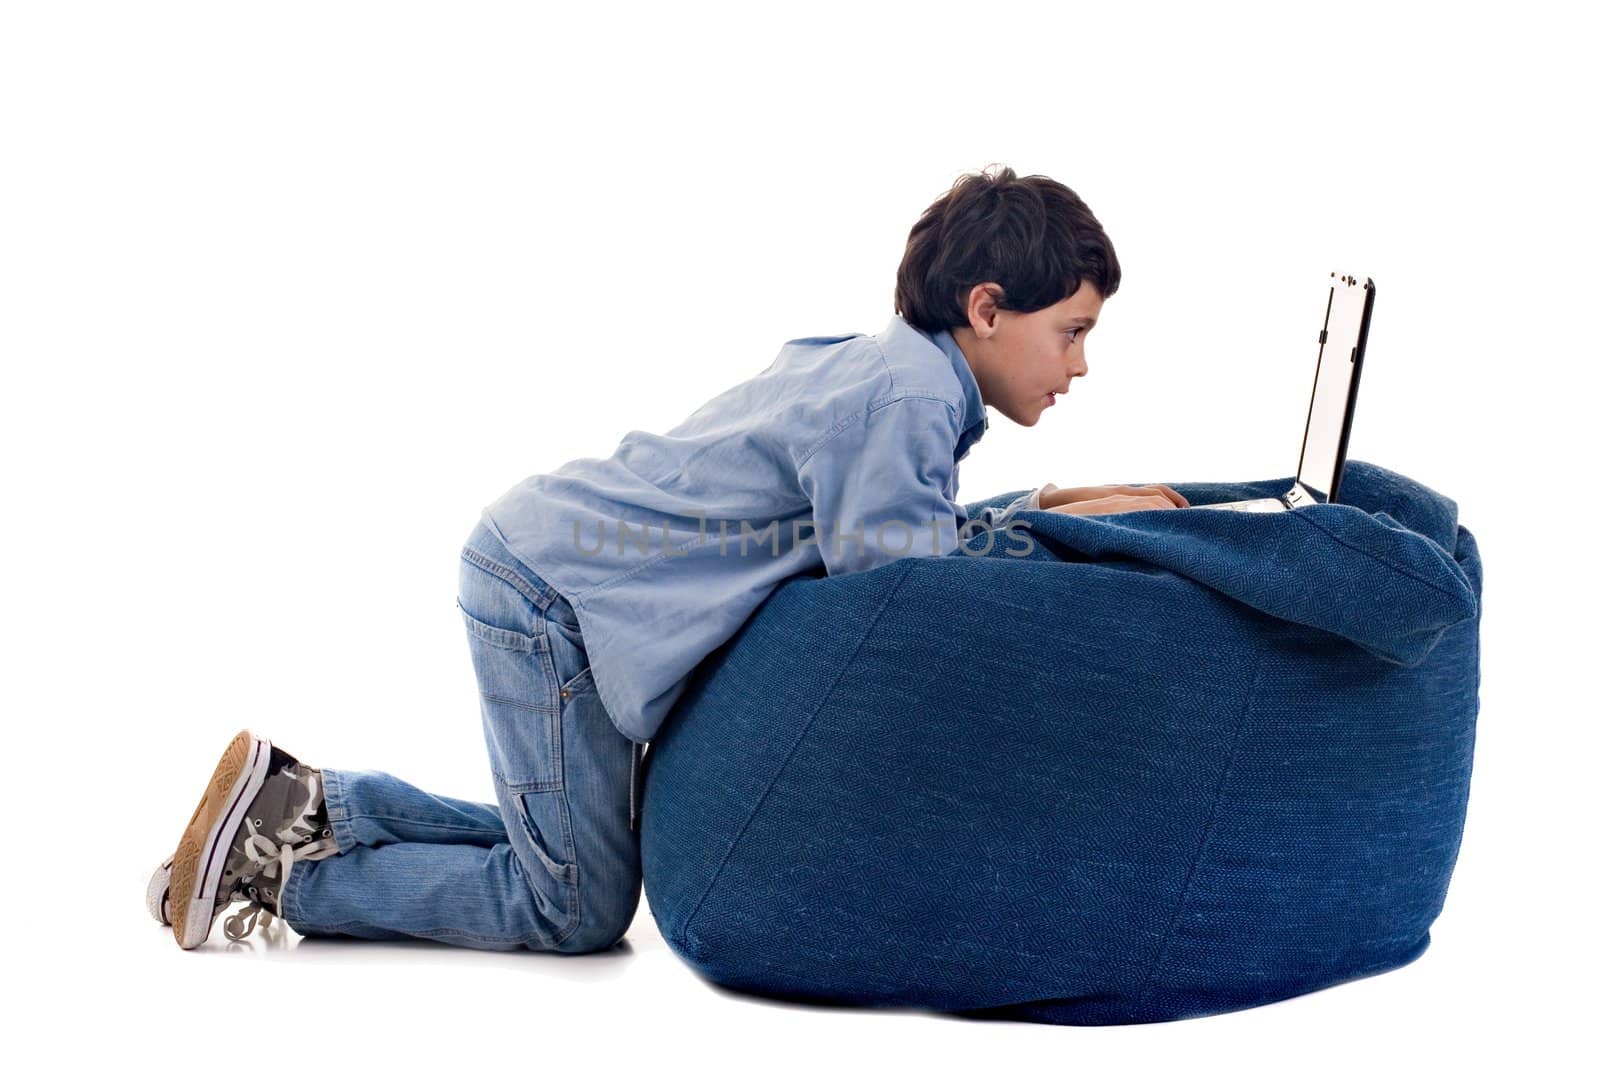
882	478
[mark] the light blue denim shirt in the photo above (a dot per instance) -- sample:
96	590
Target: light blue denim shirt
842	453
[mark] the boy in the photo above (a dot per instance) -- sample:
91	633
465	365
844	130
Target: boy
589	595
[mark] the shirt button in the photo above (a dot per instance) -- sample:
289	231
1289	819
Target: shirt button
565	693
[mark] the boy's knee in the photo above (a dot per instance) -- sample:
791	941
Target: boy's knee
602	924
591	938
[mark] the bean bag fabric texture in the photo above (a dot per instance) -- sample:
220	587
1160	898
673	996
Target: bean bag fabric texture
1166	764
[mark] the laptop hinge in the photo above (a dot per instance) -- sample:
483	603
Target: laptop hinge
1299	497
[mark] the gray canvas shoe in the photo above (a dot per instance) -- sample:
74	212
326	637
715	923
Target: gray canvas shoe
155	895
157	898
261	812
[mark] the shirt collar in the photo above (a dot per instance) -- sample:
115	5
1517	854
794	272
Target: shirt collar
976	418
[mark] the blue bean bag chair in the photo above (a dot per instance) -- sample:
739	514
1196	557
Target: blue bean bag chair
1165	764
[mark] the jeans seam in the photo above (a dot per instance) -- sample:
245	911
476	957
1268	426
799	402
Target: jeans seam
542	709
633	778
574	894
340	928
539	599
551	785
338	812
289	895
378	816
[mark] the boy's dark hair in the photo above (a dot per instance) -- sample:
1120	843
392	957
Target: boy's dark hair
1033	236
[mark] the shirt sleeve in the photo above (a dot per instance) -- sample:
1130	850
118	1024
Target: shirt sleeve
877	487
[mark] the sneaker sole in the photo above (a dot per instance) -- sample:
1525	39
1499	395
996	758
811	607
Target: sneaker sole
198	861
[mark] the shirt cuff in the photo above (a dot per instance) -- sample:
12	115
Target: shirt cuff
1029	502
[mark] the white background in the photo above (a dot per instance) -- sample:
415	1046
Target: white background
289	292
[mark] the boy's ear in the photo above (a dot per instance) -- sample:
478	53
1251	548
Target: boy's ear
982	309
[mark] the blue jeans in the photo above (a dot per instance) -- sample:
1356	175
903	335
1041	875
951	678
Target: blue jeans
555	865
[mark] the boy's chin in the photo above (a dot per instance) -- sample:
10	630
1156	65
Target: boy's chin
1026	417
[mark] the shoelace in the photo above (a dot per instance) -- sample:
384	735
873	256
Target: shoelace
234	927
268	855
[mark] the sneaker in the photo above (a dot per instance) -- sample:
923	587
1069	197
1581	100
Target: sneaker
155	895
261	811
157	898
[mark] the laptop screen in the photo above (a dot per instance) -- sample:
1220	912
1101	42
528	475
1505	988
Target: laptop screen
1338	368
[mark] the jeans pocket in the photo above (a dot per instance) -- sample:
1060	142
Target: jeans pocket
521	707
548	823
577	685
568	653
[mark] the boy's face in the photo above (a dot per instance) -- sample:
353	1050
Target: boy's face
1020	359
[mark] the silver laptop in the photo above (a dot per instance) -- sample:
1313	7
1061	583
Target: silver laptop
1341	347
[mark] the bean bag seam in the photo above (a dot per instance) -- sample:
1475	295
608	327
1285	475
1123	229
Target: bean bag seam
683	930
1145	988
1456	592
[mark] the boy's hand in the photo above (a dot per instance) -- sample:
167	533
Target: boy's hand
1109	499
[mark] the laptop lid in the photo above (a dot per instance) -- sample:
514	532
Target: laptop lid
1341	350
